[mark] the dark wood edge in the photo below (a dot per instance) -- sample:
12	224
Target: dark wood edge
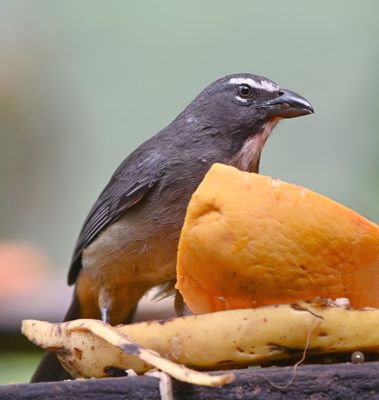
333	381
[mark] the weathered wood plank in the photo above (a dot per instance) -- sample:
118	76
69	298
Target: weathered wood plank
316	382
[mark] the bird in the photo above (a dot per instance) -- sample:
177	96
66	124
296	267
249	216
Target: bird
128	242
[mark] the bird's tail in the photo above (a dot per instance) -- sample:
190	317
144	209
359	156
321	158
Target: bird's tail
50	369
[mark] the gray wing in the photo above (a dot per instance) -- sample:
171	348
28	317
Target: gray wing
133	179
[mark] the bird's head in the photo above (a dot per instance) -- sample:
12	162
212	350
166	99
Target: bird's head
247	106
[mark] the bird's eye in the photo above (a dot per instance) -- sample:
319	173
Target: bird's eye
244	91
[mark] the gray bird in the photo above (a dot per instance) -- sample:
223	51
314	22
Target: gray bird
129	239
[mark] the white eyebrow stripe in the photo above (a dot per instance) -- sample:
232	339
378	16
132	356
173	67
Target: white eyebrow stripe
263	84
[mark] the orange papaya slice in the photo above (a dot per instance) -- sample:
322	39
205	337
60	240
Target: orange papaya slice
249	240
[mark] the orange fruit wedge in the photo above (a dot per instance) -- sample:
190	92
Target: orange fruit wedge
249	240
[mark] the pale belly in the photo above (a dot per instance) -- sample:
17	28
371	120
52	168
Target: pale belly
125	261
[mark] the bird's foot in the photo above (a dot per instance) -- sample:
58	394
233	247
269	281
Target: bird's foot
104	314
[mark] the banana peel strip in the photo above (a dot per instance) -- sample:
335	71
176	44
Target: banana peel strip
116	338
219	340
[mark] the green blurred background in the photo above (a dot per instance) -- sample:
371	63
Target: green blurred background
82	83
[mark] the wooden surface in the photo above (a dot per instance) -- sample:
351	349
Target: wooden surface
334	381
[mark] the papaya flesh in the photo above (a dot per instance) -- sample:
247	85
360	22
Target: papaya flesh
249	240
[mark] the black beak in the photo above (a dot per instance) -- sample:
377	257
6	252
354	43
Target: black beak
288	105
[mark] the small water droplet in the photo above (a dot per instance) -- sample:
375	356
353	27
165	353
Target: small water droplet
357	357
